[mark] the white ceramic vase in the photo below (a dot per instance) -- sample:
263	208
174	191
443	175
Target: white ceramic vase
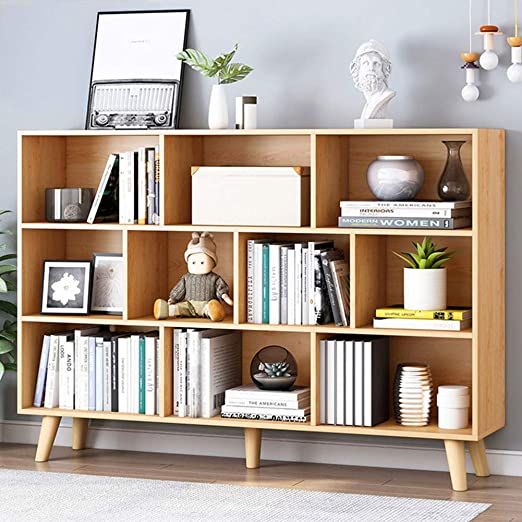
218	109
425	289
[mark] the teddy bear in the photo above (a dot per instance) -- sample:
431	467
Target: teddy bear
200	292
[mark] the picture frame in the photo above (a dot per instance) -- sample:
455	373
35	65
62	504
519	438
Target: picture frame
107	283
134	62
66	287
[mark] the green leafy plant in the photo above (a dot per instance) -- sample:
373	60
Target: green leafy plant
8	309
426	255
220	67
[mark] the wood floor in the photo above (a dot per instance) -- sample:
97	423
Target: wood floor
505	493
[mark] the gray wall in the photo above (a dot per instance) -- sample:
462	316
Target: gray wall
300	51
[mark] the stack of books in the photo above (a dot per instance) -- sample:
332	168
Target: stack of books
205	364
395	316
354	381
249	402
297	283
405	214
96	370
129	189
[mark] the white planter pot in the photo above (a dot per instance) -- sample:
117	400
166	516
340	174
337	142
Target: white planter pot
425	289
218	109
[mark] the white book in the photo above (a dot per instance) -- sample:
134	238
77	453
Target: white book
258	283
340	383
270	403
182	374
423	324
123	374
101	188
275	282
175	371
142	186
298	248
383	212
291	287
358	371
349	381
340	273
91	374
81	367
42	372
157	368
134	374
150	376
297	393
283	284
99	373
323	362
406	204
107	393
122	188
302	412
305	318
220	368
66	375
331	379
52	386
193	373
310	282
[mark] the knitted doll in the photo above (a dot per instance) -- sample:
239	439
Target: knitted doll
200	292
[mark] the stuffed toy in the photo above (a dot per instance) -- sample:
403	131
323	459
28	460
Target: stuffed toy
200	292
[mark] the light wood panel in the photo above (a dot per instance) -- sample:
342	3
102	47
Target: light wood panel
81	245
166	372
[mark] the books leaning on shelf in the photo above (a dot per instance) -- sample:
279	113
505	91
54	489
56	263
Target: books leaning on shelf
129	189
405	214
93	369
249	402
297	283
205	364
354	381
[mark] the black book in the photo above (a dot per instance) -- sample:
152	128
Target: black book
114	373
105	206
326	257
376	386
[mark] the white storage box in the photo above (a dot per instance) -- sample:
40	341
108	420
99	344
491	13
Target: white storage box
258	196
453	403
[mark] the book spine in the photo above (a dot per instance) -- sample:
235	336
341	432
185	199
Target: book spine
330	287
406	204
399	313
304	287
142	186
367	383
175	372
260	395
340	382
107	391
134	374
83	374
338	274
122	184
358	385
150	376
310	282
51	389
206	399
157	355
99	374
66	376
291	287
123	375
300	412
349	382
298	283
331	380
157	187
383	212
114	375
101	188
183	374
430	223
275	273
141	369
255	403
258	283
92	373
266	416
151	196
250	281
266	284
422	324
283	285
323	364
42	372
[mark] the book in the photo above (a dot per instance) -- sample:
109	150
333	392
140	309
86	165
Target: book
151	408
297	393
266	283
349	382
141	375
413	222
99	373
175	371
157	187
258	282
91	373
272	412
151	194
423	324
331	380
107	365
406	204
291	287
340	382
341	278
126	188
182	381
42	372
123	375
319	308
134	374
142	185
323	363
405	212
283	284
274	255
108	171
52	387
81	366
397	312
288	404
376	381
333	299
358	382
66	374
264	416
193	373
250	281
305	316
115	391
298	248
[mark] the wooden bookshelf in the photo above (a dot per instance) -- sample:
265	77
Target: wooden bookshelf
153	256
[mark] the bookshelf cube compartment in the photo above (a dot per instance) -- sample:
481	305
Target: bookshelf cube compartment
377	274
67	161
181	153
343	160
156	263
341	241
67	245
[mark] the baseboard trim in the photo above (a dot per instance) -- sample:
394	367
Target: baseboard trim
274	447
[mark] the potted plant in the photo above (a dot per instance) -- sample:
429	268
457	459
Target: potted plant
425	276
225	72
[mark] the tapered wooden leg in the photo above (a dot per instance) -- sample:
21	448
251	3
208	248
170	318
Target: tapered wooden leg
79	433
252	447
457	464
477	450
46	440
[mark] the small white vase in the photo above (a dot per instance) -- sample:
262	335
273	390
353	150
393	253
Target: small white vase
218	109
425	289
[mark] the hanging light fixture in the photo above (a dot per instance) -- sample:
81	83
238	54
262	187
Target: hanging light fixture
489	59
470	91
514	72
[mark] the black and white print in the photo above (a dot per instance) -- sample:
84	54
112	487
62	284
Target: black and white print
107	284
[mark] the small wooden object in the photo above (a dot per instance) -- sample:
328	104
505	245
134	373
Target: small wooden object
469	57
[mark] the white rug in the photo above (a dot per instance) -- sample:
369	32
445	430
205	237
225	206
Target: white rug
33	495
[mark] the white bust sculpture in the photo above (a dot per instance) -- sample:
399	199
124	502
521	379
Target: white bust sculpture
370	70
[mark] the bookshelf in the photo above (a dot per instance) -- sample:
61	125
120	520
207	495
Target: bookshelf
153	261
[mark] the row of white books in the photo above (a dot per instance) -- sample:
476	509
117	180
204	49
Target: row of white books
129	189
354	381
205	364
96	370
297	283
249	402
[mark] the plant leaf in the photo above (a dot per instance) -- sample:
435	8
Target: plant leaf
8	308
6	346
7	269
7	256
405	259
234	72
198	61
3	286
224	59
2	370
7	335
440	262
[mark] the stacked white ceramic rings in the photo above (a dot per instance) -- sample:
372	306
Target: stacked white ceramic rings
412	394
453	403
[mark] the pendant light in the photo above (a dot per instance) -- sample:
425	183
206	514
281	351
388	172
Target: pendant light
470	91
514	72
489	59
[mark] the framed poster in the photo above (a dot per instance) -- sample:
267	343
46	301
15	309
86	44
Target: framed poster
107	284
136	80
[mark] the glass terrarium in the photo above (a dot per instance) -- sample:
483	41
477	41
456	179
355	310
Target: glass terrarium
273	368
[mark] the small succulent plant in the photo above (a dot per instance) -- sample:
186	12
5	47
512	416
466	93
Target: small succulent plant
277	369
426	255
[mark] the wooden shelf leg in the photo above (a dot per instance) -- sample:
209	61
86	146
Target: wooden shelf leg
252	447
477	450
48	431
455	453
79	433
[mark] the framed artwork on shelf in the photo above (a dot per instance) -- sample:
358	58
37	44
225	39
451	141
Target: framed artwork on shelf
66	286
107	284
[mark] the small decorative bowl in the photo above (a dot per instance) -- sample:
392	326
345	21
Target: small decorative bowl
395	178
273	368
68	204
